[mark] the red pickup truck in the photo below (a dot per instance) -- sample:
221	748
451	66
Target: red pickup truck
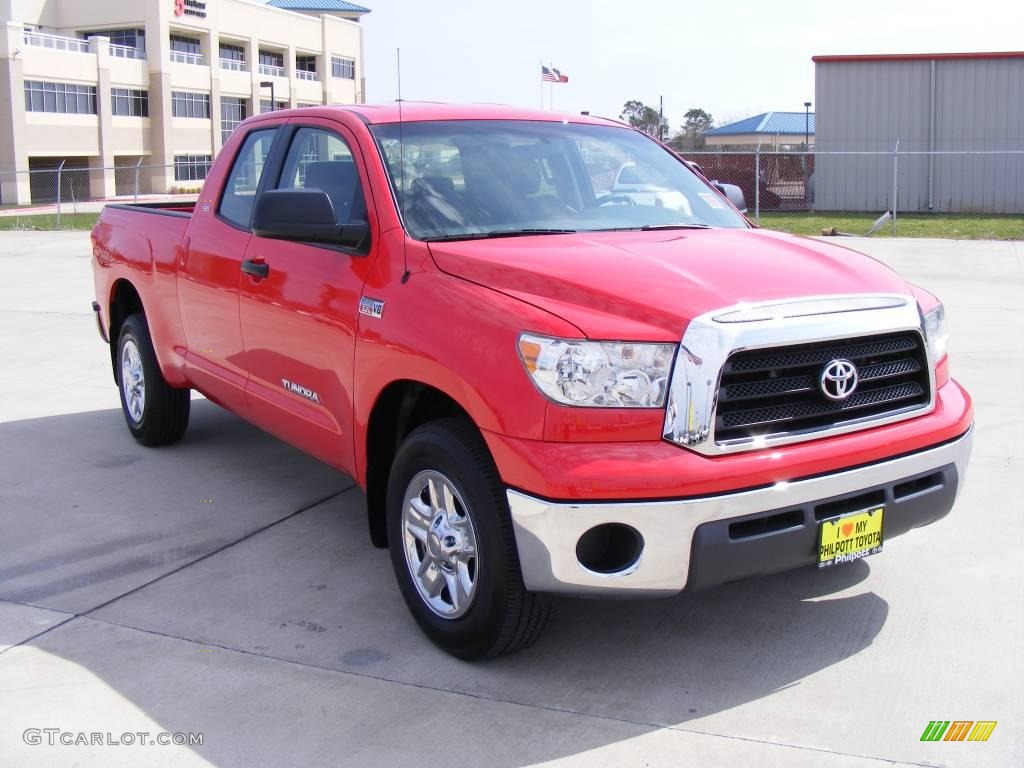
544	384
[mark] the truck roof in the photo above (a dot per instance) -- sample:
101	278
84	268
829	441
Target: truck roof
418	111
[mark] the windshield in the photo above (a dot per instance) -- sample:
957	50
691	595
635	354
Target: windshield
478	178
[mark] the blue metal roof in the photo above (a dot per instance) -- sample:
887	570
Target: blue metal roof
772	123
337	6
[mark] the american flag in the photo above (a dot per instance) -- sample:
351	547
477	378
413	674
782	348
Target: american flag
552	75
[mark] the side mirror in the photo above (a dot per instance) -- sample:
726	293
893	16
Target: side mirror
305	215
734	195
295	214
354	234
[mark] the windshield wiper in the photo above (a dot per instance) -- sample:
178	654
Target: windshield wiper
498	233
652	228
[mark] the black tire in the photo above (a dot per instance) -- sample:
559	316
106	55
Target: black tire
503	617
165	410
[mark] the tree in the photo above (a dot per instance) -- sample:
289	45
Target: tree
639	115
695	122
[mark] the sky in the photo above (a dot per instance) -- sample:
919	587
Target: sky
733	58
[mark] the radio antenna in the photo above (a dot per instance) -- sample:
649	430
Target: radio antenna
401	171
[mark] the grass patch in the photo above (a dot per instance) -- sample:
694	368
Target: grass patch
47	222
958	227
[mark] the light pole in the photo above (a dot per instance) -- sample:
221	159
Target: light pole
807	146
273	102
661	119
807	126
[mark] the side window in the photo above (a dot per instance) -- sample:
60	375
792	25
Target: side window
320	159
240	191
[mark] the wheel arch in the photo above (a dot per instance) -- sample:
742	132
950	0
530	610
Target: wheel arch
125	301
400	407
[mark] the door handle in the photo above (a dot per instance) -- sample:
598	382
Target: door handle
258	269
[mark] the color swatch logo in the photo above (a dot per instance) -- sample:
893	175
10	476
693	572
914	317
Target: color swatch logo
958	730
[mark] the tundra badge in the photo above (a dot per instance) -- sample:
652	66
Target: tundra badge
301	391
371	307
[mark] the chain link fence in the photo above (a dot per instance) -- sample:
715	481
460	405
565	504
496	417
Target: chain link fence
70	185
968	193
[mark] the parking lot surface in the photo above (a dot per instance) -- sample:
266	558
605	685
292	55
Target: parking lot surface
226	586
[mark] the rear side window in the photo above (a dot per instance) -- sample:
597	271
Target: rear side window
320	159
240	191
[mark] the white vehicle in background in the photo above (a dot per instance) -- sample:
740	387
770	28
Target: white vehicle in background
731	191
634	187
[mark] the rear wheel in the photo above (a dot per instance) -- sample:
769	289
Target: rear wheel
452	545
156	412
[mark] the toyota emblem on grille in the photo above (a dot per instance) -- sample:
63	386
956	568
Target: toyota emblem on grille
838	379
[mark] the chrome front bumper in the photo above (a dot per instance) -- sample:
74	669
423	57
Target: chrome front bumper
547	532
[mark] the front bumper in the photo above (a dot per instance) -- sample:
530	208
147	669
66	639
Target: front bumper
698	542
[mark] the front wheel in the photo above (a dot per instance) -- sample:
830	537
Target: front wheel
452	546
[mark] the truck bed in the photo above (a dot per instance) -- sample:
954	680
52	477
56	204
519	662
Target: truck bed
170	208
148	246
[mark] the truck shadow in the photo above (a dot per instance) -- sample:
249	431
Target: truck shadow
275	585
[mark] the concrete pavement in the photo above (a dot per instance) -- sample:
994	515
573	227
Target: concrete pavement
226	586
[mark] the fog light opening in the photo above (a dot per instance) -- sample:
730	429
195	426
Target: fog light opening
609	548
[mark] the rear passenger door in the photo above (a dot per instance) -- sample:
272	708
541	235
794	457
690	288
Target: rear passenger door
299	322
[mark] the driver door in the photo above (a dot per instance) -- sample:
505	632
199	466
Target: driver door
299	321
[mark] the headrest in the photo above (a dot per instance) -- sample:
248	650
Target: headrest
524	176
330	174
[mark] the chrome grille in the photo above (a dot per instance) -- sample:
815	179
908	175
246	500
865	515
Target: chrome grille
771	391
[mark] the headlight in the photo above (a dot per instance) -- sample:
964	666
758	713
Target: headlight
935	332
602	374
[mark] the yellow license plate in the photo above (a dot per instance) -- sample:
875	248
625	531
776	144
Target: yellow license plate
850	537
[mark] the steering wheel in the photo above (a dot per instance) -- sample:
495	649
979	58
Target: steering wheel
614	198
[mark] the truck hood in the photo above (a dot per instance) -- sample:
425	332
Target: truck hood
647	286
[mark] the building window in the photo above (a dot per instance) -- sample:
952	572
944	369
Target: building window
232	52
271	64
128	38
129	102
232	113
343	67
188	104
232	57
186	50
182	44
191	167
267	106
305	63
60	98
272	59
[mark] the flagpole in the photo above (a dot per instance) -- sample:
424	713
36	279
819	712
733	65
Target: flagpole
542	84
551	100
